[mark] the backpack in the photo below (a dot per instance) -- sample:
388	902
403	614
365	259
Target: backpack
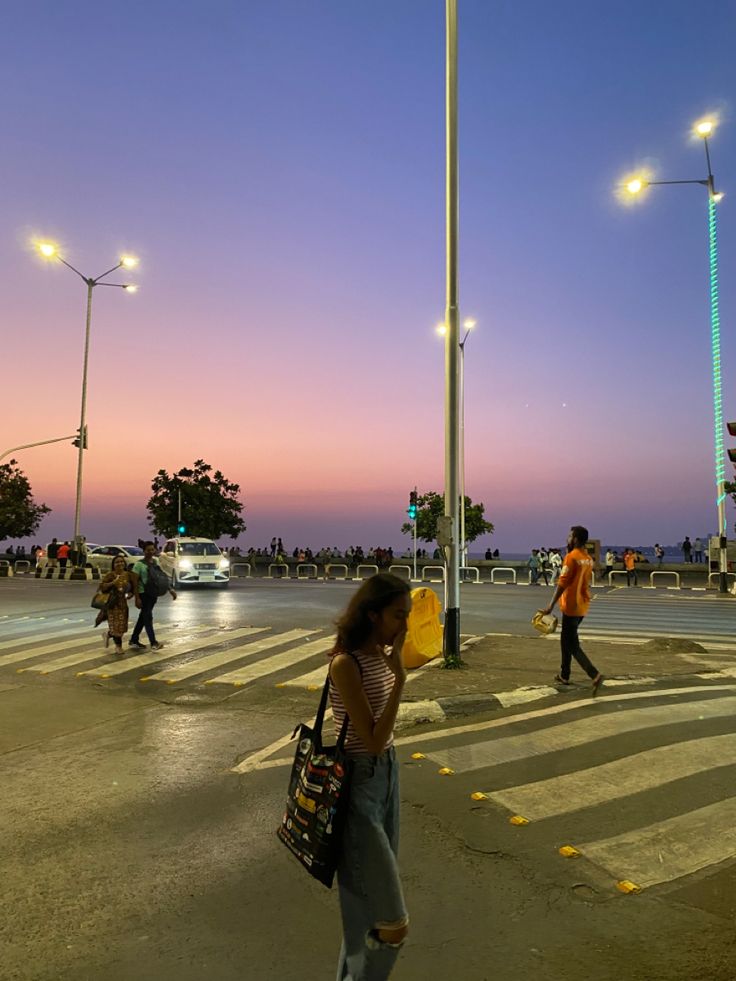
157	583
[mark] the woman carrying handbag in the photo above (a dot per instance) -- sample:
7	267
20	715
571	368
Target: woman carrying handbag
367	678
118	584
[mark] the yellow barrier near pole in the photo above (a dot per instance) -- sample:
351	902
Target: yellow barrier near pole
424	630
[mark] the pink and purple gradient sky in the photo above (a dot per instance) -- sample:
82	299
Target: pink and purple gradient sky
279	169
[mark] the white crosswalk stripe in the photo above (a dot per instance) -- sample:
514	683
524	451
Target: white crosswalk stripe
204	664
173	649
250	672
655	808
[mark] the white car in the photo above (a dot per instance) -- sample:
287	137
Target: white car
101	556
194	560
42	555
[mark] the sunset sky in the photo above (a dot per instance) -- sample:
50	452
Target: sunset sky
279	169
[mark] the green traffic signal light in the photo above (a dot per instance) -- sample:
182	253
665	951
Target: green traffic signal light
181	529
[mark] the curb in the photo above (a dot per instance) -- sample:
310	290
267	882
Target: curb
455	706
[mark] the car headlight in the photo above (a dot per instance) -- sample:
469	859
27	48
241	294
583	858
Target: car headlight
185	563
224	563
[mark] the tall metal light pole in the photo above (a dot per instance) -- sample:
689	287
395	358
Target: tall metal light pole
452	351
636	185
442	329
50	251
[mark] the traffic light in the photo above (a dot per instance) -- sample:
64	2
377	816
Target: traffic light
731	426
181	528
76	441
413	508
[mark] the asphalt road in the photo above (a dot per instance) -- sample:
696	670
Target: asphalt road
137	816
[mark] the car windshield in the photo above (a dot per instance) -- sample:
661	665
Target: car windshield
133	550
198	548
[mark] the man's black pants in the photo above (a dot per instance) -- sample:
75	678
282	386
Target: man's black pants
145	620
570	647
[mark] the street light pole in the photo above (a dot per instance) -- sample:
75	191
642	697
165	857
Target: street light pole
82	424
635	186
469	324
50	251
452	402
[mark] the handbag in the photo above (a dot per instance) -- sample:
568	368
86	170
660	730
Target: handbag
101	601
545	623
317	798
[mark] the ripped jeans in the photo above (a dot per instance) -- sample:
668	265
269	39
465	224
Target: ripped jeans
368	874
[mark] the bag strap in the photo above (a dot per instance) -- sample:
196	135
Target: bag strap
320	717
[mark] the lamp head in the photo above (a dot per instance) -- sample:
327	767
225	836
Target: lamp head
636	185
705	127
128	261
469	323
47	249
441	329
130	288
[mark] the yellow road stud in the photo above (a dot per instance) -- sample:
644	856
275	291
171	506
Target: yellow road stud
418	756
567	851
445	771
628	887
518	820
478	795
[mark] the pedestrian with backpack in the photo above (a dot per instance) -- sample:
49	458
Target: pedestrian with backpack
149	582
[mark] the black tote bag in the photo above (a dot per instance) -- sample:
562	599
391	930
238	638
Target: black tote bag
317	799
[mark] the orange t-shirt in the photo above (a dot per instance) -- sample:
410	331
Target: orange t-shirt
575	578
630	561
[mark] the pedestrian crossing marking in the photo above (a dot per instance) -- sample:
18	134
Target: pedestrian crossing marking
81	654
202	664
40	634
669	849
111	670
619	778
475	756
71	643
251	672
314	679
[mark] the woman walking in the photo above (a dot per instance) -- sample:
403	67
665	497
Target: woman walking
119	583
367	678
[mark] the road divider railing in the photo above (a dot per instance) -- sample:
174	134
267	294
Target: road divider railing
402	571
730	577
21	567
616	572
429	573
241	570
278	565
332	573
372	570
663	572
307	570
474	572
502	568
6	569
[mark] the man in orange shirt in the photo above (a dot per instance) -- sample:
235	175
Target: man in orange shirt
573	592
630	566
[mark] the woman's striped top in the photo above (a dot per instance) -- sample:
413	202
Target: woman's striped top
378	682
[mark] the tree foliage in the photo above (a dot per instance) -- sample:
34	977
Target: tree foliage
431	506
20	516
209	503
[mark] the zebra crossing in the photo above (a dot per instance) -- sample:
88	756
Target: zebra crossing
618	614
202	654
638	787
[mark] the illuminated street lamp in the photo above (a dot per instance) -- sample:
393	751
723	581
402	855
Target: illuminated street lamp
442	330
51	251
634	186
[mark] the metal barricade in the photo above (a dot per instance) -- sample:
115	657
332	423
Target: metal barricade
277	565
329	574
661	572
241	575
307	565
433	568
21	567
711	575
469	568
616	572
394	569
6	570
502	568
373	568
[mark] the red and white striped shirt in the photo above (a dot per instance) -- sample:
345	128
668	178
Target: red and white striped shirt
378	682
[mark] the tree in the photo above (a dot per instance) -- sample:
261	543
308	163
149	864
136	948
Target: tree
209	503
20	516
432	506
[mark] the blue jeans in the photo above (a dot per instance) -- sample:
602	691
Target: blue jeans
145	620
371	898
